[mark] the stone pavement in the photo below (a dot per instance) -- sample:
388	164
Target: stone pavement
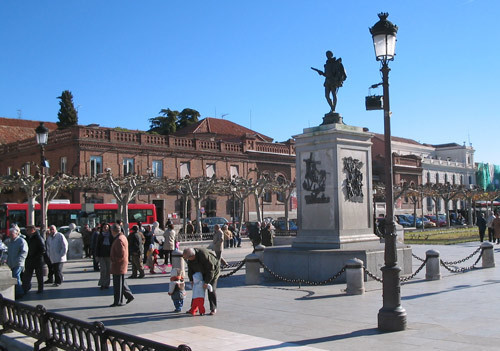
459	312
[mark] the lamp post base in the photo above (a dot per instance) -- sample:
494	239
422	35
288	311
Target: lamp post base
391	320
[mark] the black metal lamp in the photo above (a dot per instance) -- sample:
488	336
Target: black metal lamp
392	316
42	138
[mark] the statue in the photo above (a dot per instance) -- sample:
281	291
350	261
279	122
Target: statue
334	78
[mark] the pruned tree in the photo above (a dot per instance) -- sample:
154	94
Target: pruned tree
67	115
286	188
448	192
198	189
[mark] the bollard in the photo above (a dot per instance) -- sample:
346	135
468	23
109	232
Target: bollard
252	270
354	274
259	251
432	266
177	260
488	255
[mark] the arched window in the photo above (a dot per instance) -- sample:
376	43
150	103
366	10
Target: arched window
210	205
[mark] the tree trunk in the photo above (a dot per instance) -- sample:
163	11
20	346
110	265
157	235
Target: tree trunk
185	211
257	207
197	203
123	211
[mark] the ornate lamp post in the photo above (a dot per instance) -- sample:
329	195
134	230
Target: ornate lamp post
392	316
42	138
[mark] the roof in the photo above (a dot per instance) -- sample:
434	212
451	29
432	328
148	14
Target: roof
437	146
220	128
398	139
14	129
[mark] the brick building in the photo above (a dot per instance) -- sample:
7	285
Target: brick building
211	146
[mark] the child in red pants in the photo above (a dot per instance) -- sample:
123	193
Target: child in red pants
198	301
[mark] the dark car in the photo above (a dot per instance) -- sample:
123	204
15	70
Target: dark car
439	222
404	221
281	225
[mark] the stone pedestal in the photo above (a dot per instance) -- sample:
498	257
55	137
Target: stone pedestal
334	191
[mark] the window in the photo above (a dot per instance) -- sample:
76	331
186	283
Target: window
210	169
454	179
95	165
437	178
64	161
26	168
267	196
157	168
446	178
128	166
428	177
185	169
235	171
281	196
210	206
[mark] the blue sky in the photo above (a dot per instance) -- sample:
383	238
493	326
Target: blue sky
249	62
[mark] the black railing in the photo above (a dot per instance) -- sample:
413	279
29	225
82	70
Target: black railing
56	330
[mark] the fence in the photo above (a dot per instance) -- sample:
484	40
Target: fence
66	333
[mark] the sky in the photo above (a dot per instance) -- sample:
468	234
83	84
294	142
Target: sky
249	62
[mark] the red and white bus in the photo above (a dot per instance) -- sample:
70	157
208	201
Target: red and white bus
60	214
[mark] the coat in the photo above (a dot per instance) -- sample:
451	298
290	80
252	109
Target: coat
169	243
218	241
119	255
206	263
496	227
57	247
36	248
17	252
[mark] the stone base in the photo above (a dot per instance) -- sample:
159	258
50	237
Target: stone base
319	265
332	118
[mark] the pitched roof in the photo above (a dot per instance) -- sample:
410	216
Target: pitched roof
398	139
13	129
220	128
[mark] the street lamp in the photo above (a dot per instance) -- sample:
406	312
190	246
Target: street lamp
392	316
42	138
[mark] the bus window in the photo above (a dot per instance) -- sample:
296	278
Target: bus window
108	216
18	217
3	218
139	215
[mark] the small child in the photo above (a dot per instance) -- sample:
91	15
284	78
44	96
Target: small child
198	299
152	258
176	288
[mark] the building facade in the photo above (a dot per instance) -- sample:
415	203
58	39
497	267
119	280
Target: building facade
210	147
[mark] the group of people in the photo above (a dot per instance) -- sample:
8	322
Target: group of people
261	234
26	255
492	223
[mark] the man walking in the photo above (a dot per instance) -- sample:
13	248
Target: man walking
34	261
57	248
17	252
119	264
136	251
205	262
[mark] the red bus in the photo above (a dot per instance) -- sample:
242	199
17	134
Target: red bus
60	214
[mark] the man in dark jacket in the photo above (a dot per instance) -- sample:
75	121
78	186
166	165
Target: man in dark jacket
203	261
136	251
481	223
34	260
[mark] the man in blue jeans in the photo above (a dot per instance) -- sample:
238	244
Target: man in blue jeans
17	252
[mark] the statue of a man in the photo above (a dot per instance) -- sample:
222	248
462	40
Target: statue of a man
335	75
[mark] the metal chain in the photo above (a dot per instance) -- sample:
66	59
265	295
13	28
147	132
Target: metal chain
373	276
240	264
461	269
302	281
408	278
232	265
464	259
418	258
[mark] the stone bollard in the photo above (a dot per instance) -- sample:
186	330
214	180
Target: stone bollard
354	274
259	251
177	260
488	255
252	269
432	266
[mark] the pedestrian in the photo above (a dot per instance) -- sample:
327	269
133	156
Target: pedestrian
489	224
254	234
228	237
481	224
198	295
218	242
236	236
496	227
93	247
34	260
87	240
57	249
119	264
267	234
103	250
169	243
16	256
202	261
136	251
189	228
177	288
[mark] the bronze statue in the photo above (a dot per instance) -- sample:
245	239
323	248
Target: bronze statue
334	78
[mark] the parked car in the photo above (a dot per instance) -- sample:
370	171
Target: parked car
403	220
65	229
281	225
211	221
427	222
439	222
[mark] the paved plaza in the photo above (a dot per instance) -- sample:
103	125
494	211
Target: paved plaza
459	312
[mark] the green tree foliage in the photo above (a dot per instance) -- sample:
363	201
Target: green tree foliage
172	120
67	113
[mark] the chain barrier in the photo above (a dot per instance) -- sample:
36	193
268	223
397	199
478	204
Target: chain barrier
464	259
410	277
371	275
238	266
418	258
302	281
461	269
